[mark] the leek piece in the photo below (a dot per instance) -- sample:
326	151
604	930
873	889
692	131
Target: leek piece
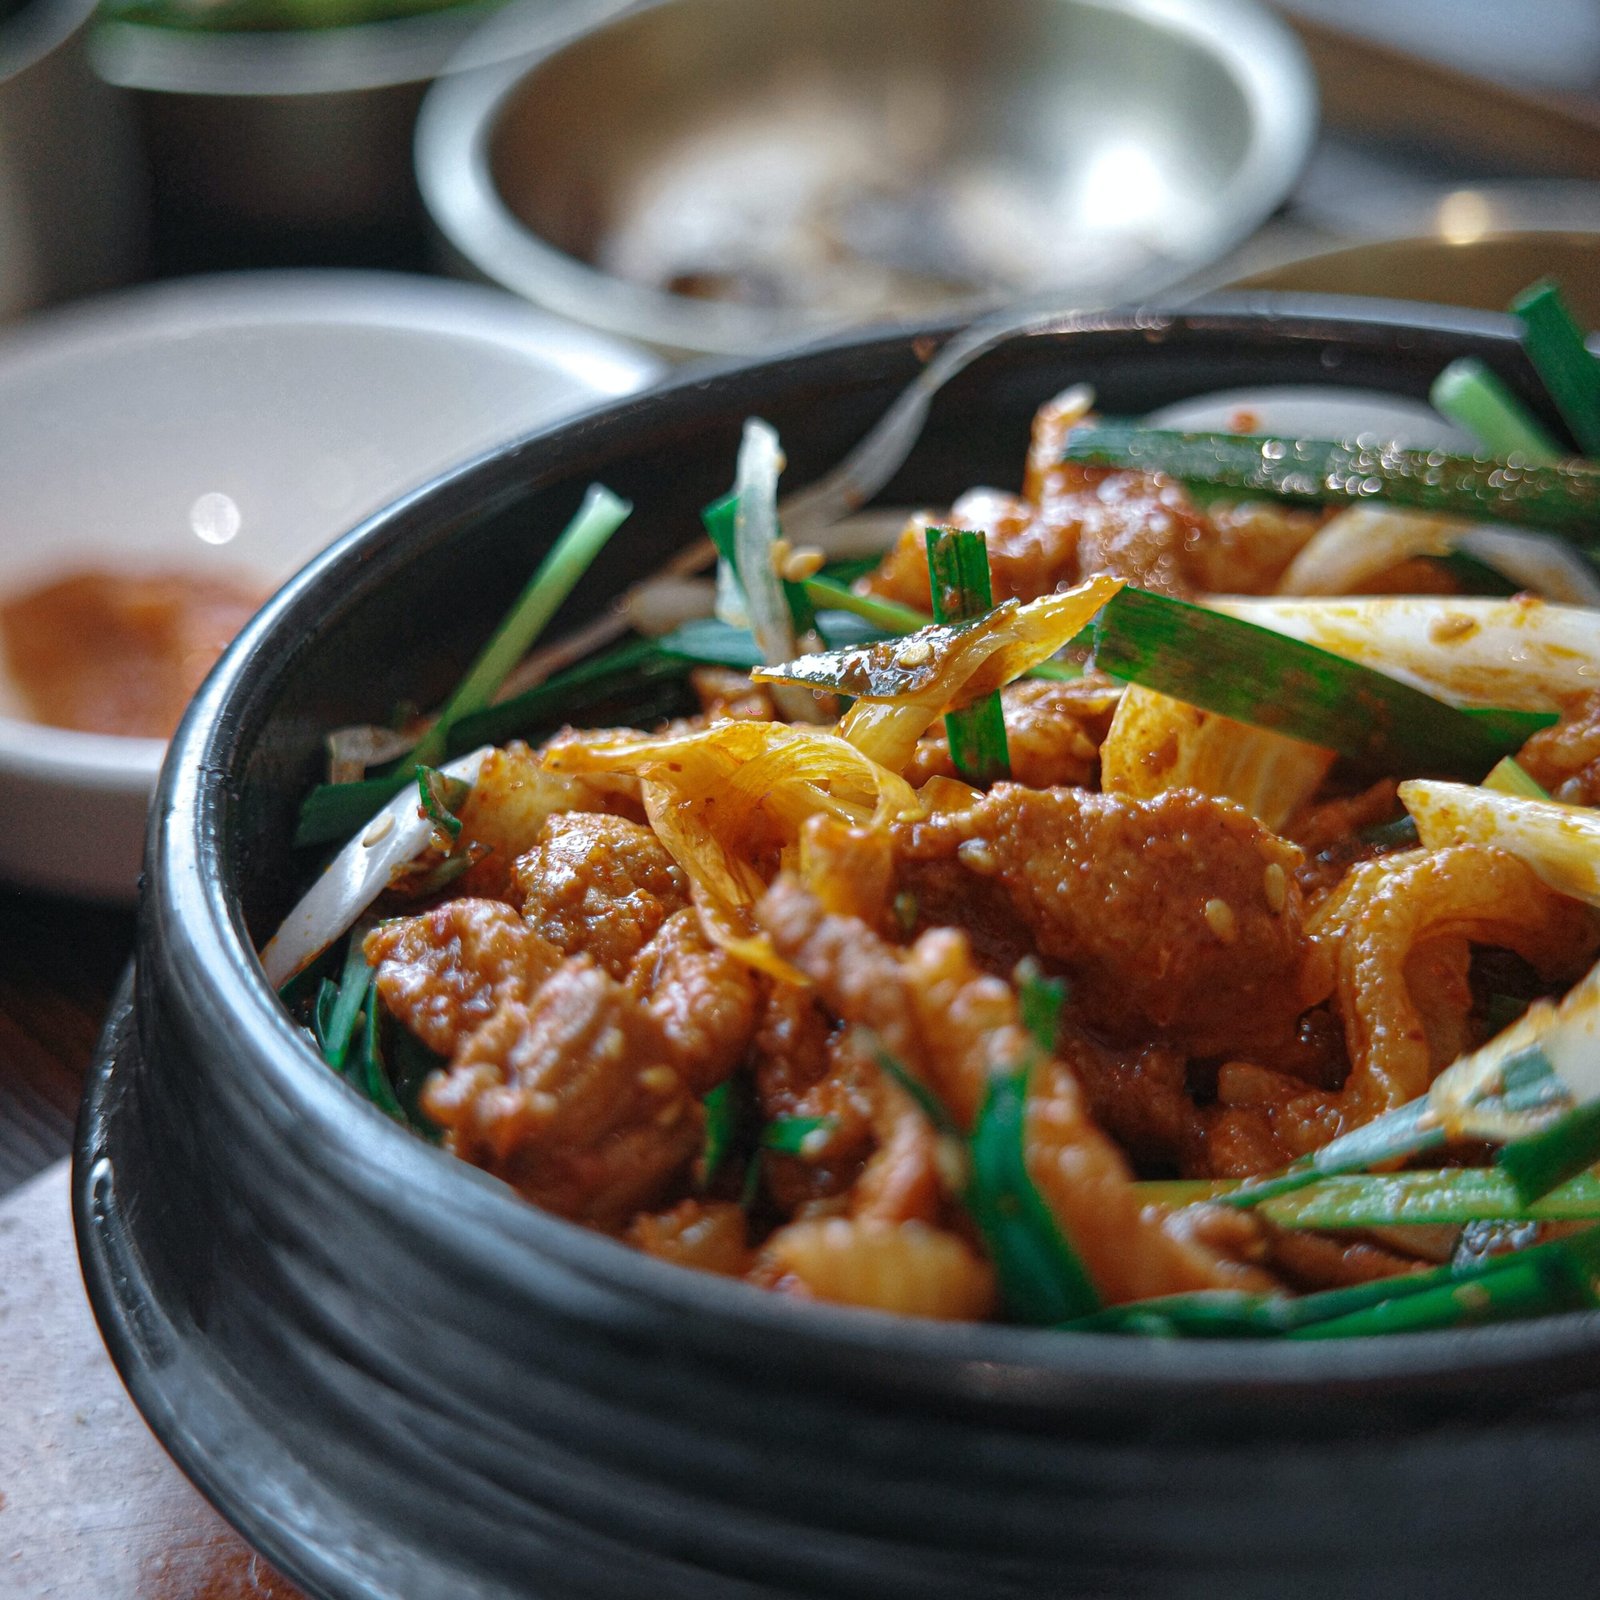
600	515
889	615
1563	497
1529	654
355	982
1040	1000
1401	1199
931	1106
1511	777
1474	398
1408	1130
1555	346
1041	1278
1546	1160
958	570
439	797
626	668
374	1074
719	1110
335	810
1255	675
790	1135
1531	1283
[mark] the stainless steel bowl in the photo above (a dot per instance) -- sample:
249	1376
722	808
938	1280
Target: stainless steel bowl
71	191
282	135
714	176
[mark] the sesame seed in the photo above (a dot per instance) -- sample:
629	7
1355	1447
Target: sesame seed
658	1080
1275	885
1221	921
806	562
814	1143
914	654
977	854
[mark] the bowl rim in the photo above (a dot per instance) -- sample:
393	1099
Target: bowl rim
457	123
210	962
227	303
294	62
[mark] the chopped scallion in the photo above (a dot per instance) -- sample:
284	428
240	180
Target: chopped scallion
958	569
1556	348
796	1136
1256	675
1041	1278
1470	394
600	515
1563	497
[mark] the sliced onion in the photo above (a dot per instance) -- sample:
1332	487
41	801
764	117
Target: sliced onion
395	837
1523	654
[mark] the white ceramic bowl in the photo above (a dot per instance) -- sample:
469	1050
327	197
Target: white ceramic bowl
288	406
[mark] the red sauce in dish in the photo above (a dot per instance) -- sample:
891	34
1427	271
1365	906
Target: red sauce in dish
106	652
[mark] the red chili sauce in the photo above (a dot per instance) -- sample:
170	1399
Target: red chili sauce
105	652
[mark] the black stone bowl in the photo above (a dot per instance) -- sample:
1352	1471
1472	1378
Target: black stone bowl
399	1379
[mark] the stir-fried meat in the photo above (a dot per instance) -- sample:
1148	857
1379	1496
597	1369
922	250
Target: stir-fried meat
1140	1097
446	972
1566	758
513	799
709	1235
1092	520
1053	732
1176	914
909	1268
570	1097
1249	545
952	1025
702	1001
579	1089
598	885
724	692
1387	910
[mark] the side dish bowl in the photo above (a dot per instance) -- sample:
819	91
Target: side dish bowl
396	1377
289	406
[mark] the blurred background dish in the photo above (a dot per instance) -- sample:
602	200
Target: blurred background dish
281	146
709	176
71	188
226	430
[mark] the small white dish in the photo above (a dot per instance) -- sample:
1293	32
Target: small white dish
236	424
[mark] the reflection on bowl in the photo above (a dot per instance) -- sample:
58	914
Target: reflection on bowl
229	428
709	176
378	1360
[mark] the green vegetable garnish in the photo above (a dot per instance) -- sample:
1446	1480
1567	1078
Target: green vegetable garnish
355	983
788	1135
439	796
719	1109
958	568
1563	498
600	515
1470	395
1253	674
1556	348
1397	1199
1041	1278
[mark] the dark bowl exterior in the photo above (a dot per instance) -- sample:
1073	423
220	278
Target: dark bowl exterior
398	1379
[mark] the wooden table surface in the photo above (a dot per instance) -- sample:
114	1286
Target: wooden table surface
91	1508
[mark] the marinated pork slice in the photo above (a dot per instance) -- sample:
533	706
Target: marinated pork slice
953	1025
598	885
1179	915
